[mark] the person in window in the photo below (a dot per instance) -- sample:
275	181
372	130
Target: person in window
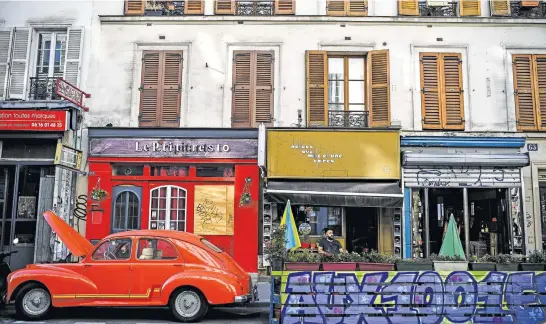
328	244
124	251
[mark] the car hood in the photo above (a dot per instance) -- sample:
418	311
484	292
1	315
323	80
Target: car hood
78	245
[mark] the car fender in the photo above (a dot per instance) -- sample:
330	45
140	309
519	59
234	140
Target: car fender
218	288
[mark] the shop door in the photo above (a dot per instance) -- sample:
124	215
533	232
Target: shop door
126	208
42	252
168	208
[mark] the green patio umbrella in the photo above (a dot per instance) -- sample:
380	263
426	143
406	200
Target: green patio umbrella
452	246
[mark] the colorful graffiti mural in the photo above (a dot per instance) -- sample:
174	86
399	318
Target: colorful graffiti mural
413	297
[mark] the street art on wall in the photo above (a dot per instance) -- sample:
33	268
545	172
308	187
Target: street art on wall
427	297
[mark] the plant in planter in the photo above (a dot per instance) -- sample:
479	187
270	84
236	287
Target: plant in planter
340	262
483	263
375	261
416	264
152	8
275	250
507	262
98	194
302	261
449	263
535	262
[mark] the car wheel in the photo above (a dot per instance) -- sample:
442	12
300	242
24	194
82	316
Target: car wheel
33	302
188	305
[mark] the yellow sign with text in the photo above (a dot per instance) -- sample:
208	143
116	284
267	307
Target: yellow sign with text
333	154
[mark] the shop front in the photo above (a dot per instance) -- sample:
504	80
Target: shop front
202	181
477	180
345	180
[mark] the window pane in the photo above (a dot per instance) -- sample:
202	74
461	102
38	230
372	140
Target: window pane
335	68
356	68
118	249
219	171
170	171
356	107
323	217
335	107
336	87
128	170
356	92
336	92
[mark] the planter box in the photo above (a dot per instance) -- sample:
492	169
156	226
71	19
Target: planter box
375	266
532	266
302	266
507	267
339	266
414	266
481	266
450	265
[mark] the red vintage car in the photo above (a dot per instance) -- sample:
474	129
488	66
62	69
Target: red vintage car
180	270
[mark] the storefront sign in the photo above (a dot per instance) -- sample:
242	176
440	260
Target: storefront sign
71	93
34	120
333	154
191	148
460	177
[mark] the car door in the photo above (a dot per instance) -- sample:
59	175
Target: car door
108	270
157	259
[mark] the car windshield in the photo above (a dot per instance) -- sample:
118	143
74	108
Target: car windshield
211	246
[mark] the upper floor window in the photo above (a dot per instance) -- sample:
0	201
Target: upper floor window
161	88
348	89
530	91
252	90
518	9
347	7
164	7
439	8
441	91
255	7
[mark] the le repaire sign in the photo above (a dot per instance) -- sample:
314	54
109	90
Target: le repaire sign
191	148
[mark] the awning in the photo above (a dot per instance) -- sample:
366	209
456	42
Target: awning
459	159
347	194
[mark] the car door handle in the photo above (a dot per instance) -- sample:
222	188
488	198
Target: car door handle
177	265
87	265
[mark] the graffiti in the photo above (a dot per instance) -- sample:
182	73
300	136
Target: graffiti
414	297
464	176
528	219
80	211
208	212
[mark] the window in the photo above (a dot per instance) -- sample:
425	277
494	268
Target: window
51	54
170	171
168	208
164	7
252	91
156	249
219	171
530	91
324	217
347	7
126	211
160	90
443	8
349	90
127	170
442	91
255	7
116	249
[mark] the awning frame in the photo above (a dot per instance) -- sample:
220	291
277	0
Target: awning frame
356	194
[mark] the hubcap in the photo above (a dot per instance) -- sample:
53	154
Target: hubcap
187	304
36	302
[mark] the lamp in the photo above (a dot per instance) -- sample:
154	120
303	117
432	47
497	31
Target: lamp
96	214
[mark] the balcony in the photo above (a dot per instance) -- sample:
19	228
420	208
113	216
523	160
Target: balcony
438	8
164	8
42	88
255	8
348	119
536	9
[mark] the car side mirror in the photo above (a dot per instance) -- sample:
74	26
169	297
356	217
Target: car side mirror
15	241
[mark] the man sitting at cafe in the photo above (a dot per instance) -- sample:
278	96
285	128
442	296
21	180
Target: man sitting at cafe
328	244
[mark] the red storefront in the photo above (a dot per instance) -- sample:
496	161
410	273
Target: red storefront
203	181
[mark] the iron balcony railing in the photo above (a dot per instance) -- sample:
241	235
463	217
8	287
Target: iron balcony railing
43	88
255	8
517	10
348	119
164	8
447	9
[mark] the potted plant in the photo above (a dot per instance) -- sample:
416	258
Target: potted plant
449	263
483	263
535	262
340	262
416	264
152	8
305	242
98	194
275	250
507	262
302	261
375	261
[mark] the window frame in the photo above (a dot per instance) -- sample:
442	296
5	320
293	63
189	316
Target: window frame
169	209
346	56
36	49
142	238
125	218
107	241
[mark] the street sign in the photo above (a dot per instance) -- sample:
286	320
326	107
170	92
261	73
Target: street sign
71	93
68	157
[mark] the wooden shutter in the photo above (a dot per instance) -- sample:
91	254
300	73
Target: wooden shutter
500	8
540	88
526	118
285	7
317	87
194	7
134	7
150	93
357	7
263	98
73	56
379	88
529	3
171	89
452	91
242	89
19	64
430	90
470	7
335	8
408	7
224	7
6	35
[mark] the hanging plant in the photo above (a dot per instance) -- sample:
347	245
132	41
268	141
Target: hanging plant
97	193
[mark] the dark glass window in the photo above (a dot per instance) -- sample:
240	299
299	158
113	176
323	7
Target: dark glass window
170	171
215	170
127	170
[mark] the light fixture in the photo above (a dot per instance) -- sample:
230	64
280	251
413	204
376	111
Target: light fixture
96	214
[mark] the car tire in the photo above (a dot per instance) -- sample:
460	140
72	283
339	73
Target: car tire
33	302
188	305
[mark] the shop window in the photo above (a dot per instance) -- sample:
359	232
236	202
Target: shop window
217	171
127	170
170	171
529	84
168	208
320	218
117	249
126	209
156	249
